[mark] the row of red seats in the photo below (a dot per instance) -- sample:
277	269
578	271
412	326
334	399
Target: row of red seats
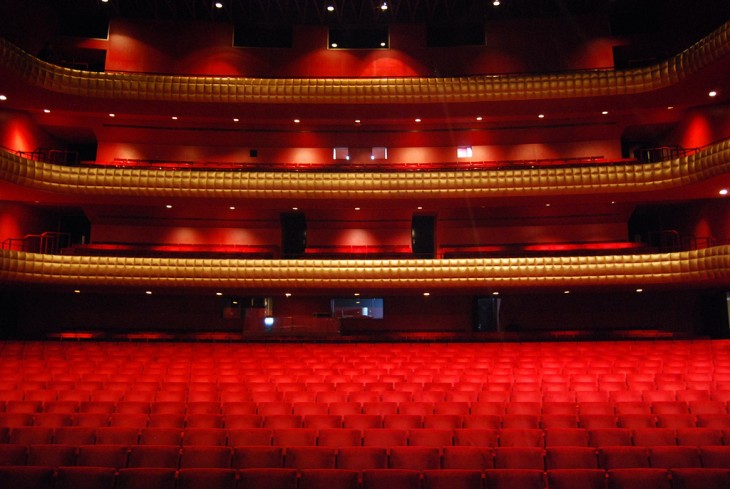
366	458
160	478
366	404
341	437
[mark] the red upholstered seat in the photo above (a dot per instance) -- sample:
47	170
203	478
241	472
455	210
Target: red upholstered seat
30	435
521	438
208	478
620	457
467	457
384	437
286	437
452	478
648	437
302	457
328	479
483	421
515	479
267	478
576	478
428	437
113	456
700	478
146	478
205	457
204	436
362	458
51	455
13	454
154	456
85	478
26	477
610	437
645	478
415	458
519	458
391	479
250	437
571	458
258	457
716	457
669	457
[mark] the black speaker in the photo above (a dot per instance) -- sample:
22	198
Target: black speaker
486	314
423	235
293	233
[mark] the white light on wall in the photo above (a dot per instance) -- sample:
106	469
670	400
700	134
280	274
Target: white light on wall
379	153
340	153
268	321
464	152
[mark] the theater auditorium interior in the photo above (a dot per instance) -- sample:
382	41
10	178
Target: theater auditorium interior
365	244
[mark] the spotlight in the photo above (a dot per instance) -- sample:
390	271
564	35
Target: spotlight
3	98
384	6
218	5
713	93
496	3
330	8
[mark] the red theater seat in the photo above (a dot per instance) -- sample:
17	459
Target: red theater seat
668	457
415	458
238	421
166	421
90	420
515	479
548	421
566	437
154	456
51	455
521	438
204	436
160	436
85	478
310	457
571	458
632	407
295	437
26	477
30	435
117	436
391	479
620	457
13	454
384	437
519	458
449	479
476	437
465	457
205	457
700	478
113	456
124	420
146	478
258	457
483	421
362	458
707	407
267	479
699	436
646	478
715	457
209	478
576	479
610	437
282	421
328	479
12	420
427	437
648	437
250	437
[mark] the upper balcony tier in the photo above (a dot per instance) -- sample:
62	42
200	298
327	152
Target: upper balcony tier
401	90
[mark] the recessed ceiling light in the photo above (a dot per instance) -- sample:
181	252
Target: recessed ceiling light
712	93
605	112
671	107
639	290
218	5
77	291
287	294
233	207
541	116
566	292
356	294
297	121
357	208
112	115
330	8
295	208
357	121
235	119
3	98
723	191
426	294
219	293
548	205
420	207
382	44
104	1
148	292
418	120
169	206
334	45
47	111
479	118
496	3
384	6
174	118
